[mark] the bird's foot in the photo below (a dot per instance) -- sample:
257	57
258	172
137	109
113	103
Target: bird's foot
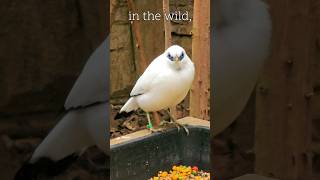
183	126
153	130
176	124
169	124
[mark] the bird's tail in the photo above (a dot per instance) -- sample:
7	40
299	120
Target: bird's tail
127	109
58	150
44	167
130	105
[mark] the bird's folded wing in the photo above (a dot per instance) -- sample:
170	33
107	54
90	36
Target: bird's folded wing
92	84
143	84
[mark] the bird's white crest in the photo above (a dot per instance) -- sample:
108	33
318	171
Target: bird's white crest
165	82
241	37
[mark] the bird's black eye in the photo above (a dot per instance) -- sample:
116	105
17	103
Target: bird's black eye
170	57
181	56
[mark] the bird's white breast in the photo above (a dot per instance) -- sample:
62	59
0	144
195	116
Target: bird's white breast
167	89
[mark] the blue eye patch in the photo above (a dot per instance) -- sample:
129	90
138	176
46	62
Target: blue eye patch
181	56
170	57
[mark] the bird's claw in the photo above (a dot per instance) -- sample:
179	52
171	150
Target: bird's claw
166	123
183	126
178	125
153	130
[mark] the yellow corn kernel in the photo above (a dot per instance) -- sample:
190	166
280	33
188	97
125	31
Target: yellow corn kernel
164	174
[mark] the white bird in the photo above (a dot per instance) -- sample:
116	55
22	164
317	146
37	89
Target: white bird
85	123
164	84
241	37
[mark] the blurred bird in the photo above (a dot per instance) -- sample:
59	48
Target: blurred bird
84	124
164	84
241	37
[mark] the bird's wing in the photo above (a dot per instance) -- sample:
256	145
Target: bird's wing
92	84
75	132
143	83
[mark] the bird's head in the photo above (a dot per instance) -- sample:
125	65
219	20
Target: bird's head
176	56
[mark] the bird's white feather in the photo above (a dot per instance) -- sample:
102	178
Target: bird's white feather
240	46
76	131
163	84
142	85
130	105
91	85
83	127
144	82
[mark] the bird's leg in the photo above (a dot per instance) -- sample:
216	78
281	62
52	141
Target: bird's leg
175	122
157	120
171	120
149	126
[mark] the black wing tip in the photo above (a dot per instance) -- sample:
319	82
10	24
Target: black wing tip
122	115
44	167
65	109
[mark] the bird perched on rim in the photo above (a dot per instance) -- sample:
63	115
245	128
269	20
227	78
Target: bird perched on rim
164	84
241	38
84	123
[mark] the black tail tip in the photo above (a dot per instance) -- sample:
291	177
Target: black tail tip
123	115
44	167
26	172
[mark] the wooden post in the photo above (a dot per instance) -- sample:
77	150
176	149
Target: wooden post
143	63
200	96
167	24
283	112
113	8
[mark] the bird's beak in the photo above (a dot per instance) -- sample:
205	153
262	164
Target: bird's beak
176	59
177	64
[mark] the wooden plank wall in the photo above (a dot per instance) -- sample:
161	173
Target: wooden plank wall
284	114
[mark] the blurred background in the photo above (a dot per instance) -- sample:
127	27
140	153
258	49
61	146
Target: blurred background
296	37
43	48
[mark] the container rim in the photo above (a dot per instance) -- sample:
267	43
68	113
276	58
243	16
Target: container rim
142	134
